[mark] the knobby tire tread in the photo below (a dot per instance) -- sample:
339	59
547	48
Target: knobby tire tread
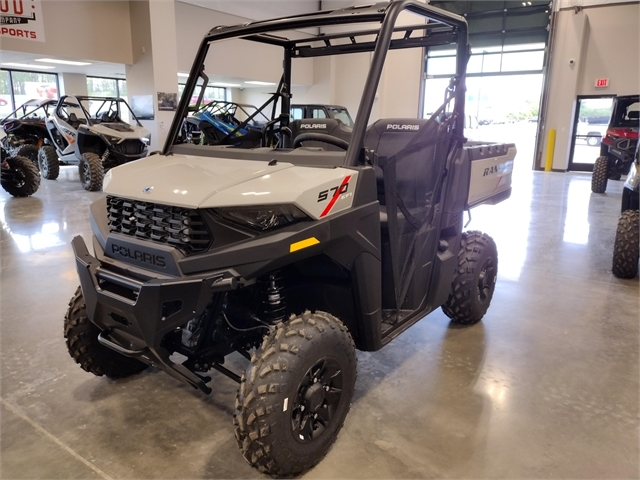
626	245
461	302
259	394
600	175
82	343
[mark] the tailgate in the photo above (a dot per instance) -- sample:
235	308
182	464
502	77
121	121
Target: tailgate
491	171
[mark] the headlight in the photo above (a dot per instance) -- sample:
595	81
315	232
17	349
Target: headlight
263	218
146	140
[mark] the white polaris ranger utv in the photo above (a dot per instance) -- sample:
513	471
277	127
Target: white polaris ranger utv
292	255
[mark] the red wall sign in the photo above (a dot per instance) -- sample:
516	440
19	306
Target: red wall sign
21	19
602	82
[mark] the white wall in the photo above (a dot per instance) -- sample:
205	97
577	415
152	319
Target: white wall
97	30
231	58
613	49
259	9
604	41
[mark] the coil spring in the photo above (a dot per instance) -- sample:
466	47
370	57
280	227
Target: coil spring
274	305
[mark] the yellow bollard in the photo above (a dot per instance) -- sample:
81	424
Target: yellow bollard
551	145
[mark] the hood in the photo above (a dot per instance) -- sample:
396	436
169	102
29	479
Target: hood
116	130
205	182
182	180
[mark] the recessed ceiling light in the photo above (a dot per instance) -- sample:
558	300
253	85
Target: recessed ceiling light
63	62
183	74
256	82
229	85
26	65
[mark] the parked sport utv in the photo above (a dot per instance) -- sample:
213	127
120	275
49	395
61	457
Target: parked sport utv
95	133
619	144
224	123
292	256
626	249
25	128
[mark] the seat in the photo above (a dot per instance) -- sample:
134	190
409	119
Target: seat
633	115
74	121
387	137
328	126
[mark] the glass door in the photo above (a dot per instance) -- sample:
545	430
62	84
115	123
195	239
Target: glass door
589	128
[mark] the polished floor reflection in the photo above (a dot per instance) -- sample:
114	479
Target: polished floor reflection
545	387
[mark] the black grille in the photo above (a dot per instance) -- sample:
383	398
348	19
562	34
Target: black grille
129	147
179	227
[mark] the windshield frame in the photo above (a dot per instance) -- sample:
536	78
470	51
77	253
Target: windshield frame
441	28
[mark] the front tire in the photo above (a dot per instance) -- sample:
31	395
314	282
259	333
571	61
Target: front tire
475	279
600	175
626	246
294	397
48	162
91	172
82	343
25	177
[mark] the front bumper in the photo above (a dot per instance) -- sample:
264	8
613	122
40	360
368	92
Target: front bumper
135	316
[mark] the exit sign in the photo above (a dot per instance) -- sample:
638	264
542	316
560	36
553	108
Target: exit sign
602	82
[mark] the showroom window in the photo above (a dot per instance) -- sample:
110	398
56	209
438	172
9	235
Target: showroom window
210	94
16	87
6	102
106	87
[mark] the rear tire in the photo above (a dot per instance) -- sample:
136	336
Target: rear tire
91	172
600	175
26	175
626	246
30	152
83	345
475	280
593	141
294	397
48	162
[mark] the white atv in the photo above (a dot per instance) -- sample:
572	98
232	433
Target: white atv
95	133
292	255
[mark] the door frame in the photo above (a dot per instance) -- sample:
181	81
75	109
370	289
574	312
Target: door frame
581	167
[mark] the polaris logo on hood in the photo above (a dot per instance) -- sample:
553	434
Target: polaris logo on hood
395	126
309	126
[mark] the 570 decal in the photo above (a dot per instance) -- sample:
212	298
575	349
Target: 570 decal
324	194
335	192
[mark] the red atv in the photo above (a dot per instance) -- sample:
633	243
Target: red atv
619	144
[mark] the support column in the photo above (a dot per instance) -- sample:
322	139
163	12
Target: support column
572	31
155	56
73	84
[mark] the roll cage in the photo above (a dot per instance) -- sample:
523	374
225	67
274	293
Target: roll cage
440	28
110	106
28	110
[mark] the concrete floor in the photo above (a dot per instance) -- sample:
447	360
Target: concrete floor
545	387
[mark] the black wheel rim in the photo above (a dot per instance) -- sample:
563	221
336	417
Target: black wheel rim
486	279
317	401
19	177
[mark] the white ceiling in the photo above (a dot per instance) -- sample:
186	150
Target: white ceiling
259	9
96	69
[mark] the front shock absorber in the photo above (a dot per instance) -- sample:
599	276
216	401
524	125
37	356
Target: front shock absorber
274	305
